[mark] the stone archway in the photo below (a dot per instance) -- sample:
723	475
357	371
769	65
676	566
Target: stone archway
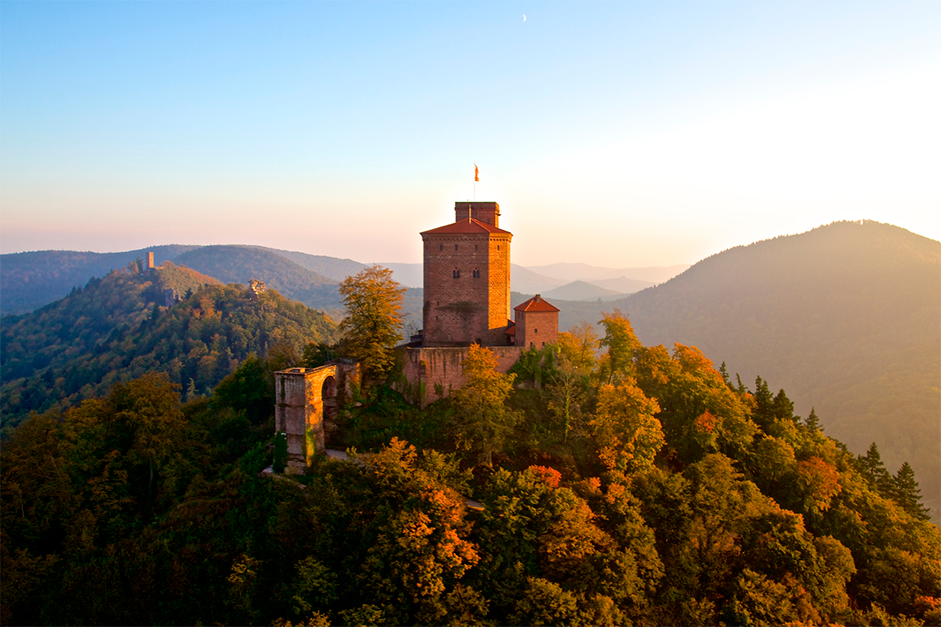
328	395
304	398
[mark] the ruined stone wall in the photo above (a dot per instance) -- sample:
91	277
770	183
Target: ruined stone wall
432	373
301	407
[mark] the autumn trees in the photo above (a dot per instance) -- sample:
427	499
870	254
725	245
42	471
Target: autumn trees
372	300
484	419
649	491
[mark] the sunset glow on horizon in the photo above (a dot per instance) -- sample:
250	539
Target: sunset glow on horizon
619	135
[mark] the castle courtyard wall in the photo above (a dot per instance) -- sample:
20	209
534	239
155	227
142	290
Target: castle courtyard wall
430	374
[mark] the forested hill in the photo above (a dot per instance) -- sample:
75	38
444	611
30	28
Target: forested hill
33	279
844	317
238	264
119	327
641	488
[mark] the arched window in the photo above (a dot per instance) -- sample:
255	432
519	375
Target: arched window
476	273
456	273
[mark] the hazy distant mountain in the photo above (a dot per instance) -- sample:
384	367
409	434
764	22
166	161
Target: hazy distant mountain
407	274
582	271
331	267
528	282
33	279
579	290
846	318
239	264
622	285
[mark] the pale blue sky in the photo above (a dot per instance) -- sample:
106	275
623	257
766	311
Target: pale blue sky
612	133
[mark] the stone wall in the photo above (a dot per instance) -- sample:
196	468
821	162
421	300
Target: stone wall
430	374
466	289
486	212
304	400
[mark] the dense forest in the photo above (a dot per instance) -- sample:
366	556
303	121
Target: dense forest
119	327
638	486
845	317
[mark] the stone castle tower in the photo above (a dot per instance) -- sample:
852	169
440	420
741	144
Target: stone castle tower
467	279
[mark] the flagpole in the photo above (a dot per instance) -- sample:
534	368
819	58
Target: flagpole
475	182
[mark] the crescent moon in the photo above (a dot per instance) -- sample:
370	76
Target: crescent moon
524	17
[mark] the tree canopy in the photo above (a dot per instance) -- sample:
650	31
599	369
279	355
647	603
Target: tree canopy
373	301
667	496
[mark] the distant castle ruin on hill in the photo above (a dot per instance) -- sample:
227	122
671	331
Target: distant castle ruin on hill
466	301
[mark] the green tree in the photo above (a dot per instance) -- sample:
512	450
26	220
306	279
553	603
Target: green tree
150	407
622	344
874	470
249	389
481	403
907	493
373	302
627	434
813	422
578	346
565	390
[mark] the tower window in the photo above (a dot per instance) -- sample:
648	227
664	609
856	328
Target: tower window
475	246
535	331
498	246
440	246
476	273
456	273
455	247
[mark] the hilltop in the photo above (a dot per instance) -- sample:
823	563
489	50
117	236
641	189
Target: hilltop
33	279
239	264
123	325
845	317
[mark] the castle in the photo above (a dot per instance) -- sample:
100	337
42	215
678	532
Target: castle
466	301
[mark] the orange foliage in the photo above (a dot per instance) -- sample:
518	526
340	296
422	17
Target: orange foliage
706	422
821	482
550	476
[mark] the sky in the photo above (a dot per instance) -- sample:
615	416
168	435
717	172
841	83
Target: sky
619	134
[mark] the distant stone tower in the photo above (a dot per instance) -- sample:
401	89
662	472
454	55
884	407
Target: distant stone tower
150	261
467	279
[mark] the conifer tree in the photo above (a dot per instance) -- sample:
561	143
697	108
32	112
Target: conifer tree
907	492
874	470
813	422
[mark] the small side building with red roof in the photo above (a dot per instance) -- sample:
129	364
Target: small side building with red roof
537	323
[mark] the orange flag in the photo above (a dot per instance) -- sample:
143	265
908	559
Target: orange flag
476	174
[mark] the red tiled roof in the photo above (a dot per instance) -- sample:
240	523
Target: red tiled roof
536	303
510	327
465	226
